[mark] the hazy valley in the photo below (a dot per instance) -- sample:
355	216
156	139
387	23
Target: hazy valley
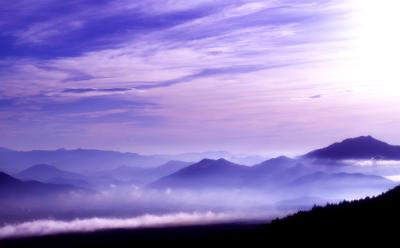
205	191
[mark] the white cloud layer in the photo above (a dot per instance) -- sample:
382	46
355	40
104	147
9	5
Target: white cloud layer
46	227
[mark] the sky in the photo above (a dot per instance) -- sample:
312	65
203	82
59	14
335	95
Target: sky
171	76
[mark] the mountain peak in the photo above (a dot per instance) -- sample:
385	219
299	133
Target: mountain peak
281	159
363	147
205	173
212	163
211	166
206	160
363	139
273	162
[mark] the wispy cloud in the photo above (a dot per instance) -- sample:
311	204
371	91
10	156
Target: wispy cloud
222	70
315	96
89	90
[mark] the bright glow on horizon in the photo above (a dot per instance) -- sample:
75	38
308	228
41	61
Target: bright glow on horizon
394	178
376	44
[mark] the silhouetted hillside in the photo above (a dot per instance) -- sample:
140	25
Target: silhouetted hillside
362	220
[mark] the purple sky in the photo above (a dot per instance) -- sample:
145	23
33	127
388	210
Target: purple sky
172	76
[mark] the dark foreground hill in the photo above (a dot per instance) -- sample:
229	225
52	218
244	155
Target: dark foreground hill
371	221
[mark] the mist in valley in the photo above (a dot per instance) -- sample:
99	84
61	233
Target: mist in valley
45	199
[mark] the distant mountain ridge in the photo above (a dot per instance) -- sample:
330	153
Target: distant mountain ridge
78	160
364	147
123	175
85	161
140	175
13	188
90	160
44	172
51	174
281	172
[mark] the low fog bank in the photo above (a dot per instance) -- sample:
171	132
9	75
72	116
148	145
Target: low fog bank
130	207
387	168
124	202
46	227
127	202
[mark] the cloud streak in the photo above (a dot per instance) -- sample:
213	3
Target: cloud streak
88	90
46	227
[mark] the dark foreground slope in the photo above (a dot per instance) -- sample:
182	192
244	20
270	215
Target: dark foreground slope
369	221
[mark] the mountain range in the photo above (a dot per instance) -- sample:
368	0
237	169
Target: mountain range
90	160
209	173
86	160
279	173
119	176
94	168
43	190
79	160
